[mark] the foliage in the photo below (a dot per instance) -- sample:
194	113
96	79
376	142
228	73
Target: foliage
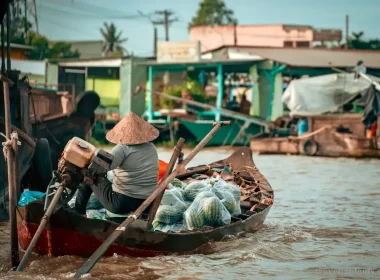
175	91
112	40
18	30
194	88
42	48
357	42
213	12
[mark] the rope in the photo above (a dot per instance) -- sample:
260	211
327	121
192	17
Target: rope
7	145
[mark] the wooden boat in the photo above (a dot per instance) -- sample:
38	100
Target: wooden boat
71	234
328	136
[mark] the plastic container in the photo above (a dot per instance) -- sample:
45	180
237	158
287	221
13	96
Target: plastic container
79	152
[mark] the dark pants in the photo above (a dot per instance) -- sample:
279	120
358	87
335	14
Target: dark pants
114	202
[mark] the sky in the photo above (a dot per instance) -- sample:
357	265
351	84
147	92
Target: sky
81	19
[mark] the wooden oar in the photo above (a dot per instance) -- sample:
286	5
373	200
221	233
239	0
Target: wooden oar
91	261
41	227
176	153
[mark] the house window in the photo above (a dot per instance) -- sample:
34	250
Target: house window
288	44
303	44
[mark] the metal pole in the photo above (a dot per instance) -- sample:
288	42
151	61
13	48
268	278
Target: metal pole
166	23
26	21
346	46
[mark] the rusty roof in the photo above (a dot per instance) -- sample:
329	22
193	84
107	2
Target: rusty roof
311	57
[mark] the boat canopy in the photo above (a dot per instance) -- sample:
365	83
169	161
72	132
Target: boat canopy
323	94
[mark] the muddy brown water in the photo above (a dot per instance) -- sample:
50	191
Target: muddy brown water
325	224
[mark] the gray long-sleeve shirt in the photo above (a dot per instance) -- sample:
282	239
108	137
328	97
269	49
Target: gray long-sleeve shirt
135	169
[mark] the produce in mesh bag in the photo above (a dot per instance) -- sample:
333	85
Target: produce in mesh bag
236	193
202	195
172	199
192	218
215	212
167	214
165	228
212	181
194	188
227	198
178	183
206	210
177	191
229	202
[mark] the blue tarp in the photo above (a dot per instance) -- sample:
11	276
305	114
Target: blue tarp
29	196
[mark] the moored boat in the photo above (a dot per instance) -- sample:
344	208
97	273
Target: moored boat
69	233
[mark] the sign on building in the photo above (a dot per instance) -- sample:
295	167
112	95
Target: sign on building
187	51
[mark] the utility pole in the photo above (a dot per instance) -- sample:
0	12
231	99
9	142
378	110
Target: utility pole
26	20
346	46
155	41
35	15
165	21
235	35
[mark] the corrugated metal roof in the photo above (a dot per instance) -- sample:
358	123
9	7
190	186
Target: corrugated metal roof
19	46
35	67
323	58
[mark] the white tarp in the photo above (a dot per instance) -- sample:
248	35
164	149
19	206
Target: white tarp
322	94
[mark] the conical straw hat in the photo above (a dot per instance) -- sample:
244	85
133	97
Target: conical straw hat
132	130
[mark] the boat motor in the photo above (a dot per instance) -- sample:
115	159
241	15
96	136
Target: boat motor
82	157
79	159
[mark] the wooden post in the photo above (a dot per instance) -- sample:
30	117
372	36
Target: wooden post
347	35
12	167
219	99
156	203
150	94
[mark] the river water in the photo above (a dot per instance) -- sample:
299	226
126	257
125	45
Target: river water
324	224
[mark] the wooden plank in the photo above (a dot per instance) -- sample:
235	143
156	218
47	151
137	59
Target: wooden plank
224	112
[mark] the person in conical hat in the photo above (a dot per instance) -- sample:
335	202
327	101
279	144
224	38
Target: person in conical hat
135	168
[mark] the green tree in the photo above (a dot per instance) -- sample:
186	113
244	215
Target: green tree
42	48
213	12
357	42
112	40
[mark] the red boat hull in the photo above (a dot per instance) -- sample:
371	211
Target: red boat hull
69	233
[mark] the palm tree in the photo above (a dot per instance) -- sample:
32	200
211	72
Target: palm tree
112	39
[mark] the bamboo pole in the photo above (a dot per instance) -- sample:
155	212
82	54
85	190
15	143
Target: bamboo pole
93	259
12	167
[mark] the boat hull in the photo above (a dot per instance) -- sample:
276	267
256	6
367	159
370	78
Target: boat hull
71	234
226	136
295	147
